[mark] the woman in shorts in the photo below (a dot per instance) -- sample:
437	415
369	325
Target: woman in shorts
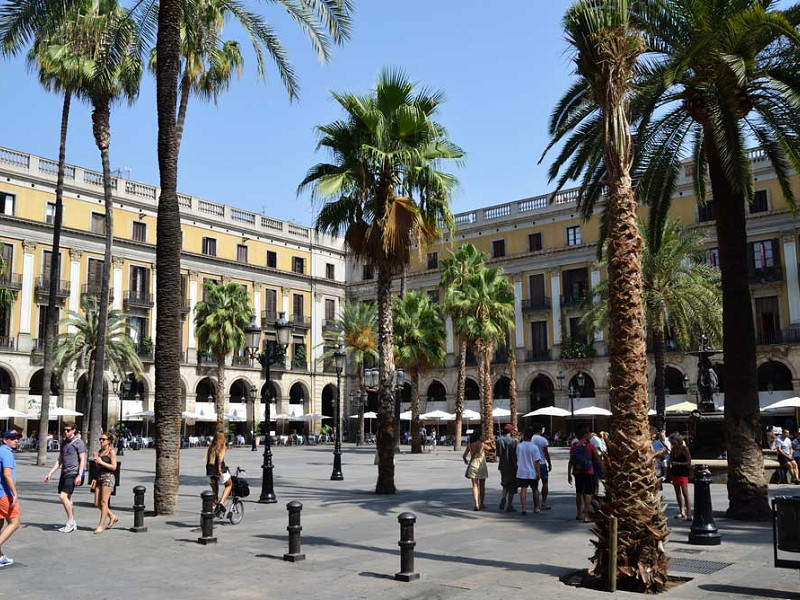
217	471
680	461
106	462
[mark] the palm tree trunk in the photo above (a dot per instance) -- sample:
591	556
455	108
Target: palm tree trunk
512	387
51	324
88	415
101	127
488	431
219	401
386	432
186	89
362	397
462	378
747	482
416	441
660	359
168	262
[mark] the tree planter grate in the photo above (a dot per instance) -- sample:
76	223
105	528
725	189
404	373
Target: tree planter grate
698	567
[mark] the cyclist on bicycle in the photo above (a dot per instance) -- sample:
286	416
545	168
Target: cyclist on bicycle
216	470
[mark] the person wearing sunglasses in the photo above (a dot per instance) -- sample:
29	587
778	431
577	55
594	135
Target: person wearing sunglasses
72	460
106	462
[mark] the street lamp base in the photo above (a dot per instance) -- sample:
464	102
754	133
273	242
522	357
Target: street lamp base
337	476
267	499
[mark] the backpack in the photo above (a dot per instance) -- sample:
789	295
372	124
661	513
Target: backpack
581	459
241	488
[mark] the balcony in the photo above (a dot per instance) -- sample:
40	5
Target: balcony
537	355
268	319
329	324
94	289
535	304
138	299
779	336
300	321
38	345
43	287
145	352
11	281
767	275
576	299
241	361
7	342
299	365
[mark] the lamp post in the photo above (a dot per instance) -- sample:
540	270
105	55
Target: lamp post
339	357
370	384
399	381
271	354
253	392
120	390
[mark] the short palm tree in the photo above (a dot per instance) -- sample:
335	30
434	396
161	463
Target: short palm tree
78	344
419	344
456	269
485	304
356	328
220	321
385	194
682	298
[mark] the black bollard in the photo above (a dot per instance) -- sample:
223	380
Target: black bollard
207	519
406	544
704	530
138	509
294	529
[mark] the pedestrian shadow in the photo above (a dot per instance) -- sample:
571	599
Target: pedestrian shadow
747	591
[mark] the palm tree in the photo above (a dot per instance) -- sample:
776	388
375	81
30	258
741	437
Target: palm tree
220	321
607	49
356	327
485	304
456	269
682	298
385	194
419	343
78	344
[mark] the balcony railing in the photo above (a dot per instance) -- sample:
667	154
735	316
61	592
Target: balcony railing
241	361
779	336
94	289
38	345
145	352
268	319
329	324
300	321
573	299
768	275
534	304
8	342
299	365
138	299
43	287
11	281
537	355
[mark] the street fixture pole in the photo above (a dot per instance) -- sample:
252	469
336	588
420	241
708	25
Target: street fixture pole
336	474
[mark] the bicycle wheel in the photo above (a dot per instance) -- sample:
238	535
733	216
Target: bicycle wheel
236	513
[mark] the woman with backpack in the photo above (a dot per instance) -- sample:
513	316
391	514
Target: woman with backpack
680	461
582	456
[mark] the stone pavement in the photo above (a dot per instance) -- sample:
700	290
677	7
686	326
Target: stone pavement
350	538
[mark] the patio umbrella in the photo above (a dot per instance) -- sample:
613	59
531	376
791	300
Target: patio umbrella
438	415
500	413
234	418
548	411
470	415
144	413
10	413
787	403
185	415
405	416
682	407
592	411
60	411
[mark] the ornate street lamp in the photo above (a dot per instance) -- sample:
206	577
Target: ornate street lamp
399	381
339	357
270	355
121	391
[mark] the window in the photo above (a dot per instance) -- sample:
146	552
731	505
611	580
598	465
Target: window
50	213
367	273
272	259
271	303
98	225
574	236
534	242
8	257
330	309
139	282
498	248
297	305
184	286
298	265
767	320
576	333
536	290
705	212
43	322
205	290
94	277
759	203
433	260
241	253
433	296
139	233
539	337
764	254
47	261
7	202
576	282
209	246
137	329
711	257
330	271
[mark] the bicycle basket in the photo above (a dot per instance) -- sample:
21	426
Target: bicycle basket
241	489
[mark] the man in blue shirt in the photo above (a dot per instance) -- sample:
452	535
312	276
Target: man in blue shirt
9	501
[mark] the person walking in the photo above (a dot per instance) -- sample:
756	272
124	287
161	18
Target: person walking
529	461
217	471
507	464
545	466
680	461
72	461
582	456
783	447
9	500
477	471
106	462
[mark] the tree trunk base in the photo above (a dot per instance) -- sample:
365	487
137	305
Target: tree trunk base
757	509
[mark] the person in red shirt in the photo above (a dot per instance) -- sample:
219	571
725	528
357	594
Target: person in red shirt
582	456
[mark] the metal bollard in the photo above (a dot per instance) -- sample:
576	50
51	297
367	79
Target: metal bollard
207	519
703	531
138	509
406	544
294	529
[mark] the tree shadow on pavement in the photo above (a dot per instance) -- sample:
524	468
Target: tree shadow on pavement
747	591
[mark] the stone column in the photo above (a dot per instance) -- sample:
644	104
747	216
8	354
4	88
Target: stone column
316	330
116	281
153	310
519	332
448	326
24	340
192	342
74	280
555	292
257	303
598	335
792	283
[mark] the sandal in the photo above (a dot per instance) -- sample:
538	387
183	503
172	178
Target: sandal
98	531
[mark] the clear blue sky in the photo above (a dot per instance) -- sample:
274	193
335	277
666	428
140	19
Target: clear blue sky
501	65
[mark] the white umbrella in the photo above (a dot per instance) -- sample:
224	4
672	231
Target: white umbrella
314	417
234	418
438	415
548	411
60	411
370	415
651	413
471	415
682	407
787	403
10	413
592	411
144	413
500	413
185	415
405	416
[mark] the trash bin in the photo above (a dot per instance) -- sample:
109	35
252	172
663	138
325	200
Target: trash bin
786	529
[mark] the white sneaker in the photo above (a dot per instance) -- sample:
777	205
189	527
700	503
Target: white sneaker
69	527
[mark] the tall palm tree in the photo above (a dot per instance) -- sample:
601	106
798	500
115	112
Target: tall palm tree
419	343
78	344
485	304
682	298
385	193
456	269
607	49
220	321
356	327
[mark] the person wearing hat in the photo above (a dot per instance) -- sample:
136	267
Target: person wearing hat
507	463
9	501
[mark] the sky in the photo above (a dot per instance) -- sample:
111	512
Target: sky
502	70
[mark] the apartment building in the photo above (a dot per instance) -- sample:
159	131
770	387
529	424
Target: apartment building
283	266
548	251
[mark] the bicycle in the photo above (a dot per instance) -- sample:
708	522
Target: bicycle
235	508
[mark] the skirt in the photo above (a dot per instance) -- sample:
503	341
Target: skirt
477	469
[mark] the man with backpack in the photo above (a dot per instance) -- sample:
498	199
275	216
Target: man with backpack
582	456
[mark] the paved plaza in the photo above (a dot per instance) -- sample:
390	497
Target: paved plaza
350	538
